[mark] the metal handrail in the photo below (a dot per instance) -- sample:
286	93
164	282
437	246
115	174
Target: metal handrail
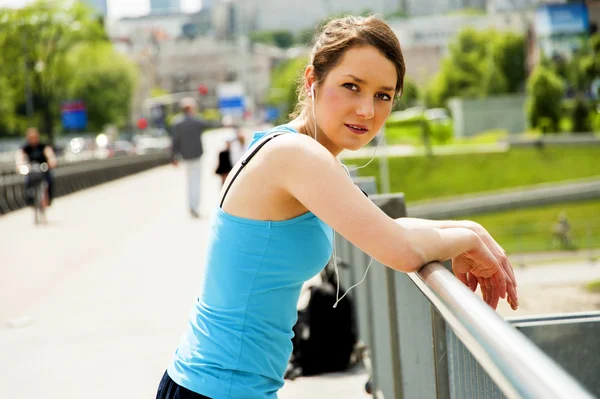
519	368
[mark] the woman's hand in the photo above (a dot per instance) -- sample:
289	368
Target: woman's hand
487	288
479	265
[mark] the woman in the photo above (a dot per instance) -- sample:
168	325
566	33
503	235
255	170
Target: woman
274	227
234	149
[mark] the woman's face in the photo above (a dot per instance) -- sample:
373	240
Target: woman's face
354	100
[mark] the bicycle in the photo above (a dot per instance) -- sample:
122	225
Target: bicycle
38	188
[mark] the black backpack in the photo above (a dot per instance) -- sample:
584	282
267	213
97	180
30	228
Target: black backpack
324	337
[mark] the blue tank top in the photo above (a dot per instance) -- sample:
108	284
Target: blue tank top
238	339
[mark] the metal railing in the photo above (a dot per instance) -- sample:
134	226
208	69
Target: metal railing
78	176
520	197
429	336
517	366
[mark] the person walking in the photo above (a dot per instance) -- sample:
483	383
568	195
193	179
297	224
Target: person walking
274	226
231	154
187	145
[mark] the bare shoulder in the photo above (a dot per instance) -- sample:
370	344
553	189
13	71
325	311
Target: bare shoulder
297	150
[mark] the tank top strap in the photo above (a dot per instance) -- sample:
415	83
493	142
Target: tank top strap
246	158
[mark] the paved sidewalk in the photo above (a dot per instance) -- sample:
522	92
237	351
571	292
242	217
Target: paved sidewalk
93	305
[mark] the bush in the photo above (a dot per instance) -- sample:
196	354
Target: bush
580	117
413	125
545	91
594	286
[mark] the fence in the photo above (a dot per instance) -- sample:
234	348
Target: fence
77	176
431	337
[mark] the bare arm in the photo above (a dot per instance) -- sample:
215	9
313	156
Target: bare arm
20	158
489	289
315	178
50	156
412	223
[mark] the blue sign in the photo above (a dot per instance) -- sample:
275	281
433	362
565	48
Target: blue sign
231	103
557	19
74	115
271	113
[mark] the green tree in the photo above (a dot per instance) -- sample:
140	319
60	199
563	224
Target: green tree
410	96
280	38
305	37
40	36
508	55
479	63
462	70
7	117
580	116
105	81
284	83
545	90
398	14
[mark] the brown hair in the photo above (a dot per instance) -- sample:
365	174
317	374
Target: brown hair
342	34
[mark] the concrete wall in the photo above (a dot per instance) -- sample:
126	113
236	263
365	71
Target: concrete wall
473	116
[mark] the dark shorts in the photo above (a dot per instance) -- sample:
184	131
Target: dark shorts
168	389
225	165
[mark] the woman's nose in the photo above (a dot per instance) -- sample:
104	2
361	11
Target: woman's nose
366	109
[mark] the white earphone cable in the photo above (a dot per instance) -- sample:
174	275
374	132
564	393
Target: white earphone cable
337	275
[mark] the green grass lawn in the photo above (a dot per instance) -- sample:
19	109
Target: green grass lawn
527	230
422	178
531	230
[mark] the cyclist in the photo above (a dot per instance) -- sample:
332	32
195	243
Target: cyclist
36	151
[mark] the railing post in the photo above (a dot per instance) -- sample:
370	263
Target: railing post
387	364
409	348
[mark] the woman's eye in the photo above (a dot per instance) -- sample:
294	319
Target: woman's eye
384	97
350	86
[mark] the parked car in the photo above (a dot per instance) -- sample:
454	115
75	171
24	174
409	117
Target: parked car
120	148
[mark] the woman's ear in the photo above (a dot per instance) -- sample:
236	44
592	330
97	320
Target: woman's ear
309	79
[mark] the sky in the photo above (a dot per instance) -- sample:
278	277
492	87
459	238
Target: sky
119	8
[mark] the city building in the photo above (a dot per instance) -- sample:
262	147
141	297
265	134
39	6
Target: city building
436	7
296	16
172	26
165	7
99	6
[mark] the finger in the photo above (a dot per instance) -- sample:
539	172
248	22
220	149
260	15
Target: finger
472	282
509	268
482	287
513	297
495	298
499	282
506	266
481	284
463	277
488	284
500	253
490	291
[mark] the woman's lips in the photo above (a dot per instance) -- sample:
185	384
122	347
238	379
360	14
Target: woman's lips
356	129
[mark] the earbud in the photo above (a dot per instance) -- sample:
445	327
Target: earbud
311	94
